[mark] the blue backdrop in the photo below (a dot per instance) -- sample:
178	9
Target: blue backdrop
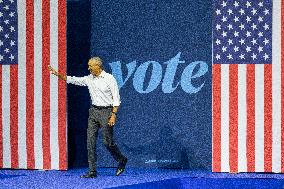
160	53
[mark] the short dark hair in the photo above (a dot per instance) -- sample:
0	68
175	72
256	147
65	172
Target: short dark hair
98	59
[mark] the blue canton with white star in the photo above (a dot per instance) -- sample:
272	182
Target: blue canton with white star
242	32
8	32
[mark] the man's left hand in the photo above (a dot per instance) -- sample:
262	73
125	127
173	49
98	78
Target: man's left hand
112	120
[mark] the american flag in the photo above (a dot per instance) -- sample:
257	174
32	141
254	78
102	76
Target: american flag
248	83
32	104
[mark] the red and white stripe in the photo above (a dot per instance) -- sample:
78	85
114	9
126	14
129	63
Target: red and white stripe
33	104
248	108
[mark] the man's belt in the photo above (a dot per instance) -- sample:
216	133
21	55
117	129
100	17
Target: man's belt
101	107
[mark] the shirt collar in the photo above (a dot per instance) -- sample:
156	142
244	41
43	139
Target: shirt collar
103	74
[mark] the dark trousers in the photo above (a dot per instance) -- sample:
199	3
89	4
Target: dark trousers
98	118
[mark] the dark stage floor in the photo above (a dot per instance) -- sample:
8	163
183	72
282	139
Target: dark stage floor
137	178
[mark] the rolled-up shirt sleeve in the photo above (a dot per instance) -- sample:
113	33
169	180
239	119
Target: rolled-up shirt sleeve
81	81
115	92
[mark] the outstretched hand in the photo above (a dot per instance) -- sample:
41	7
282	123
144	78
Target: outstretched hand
52	70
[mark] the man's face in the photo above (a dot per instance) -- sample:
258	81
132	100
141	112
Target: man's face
94	67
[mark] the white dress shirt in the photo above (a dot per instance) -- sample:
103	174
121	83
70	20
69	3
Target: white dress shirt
103	89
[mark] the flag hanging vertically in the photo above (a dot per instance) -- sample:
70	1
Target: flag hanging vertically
247	86
33	104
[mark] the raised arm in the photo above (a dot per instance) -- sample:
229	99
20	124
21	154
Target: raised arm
54	72
81	81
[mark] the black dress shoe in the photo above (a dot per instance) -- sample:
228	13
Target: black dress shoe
121	167
91	174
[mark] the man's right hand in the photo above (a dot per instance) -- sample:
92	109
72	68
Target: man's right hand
52	70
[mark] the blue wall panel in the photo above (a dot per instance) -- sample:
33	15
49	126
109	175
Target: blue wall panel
160	53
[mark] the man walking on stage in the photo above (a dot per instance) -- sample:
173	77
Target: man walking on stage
102	114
